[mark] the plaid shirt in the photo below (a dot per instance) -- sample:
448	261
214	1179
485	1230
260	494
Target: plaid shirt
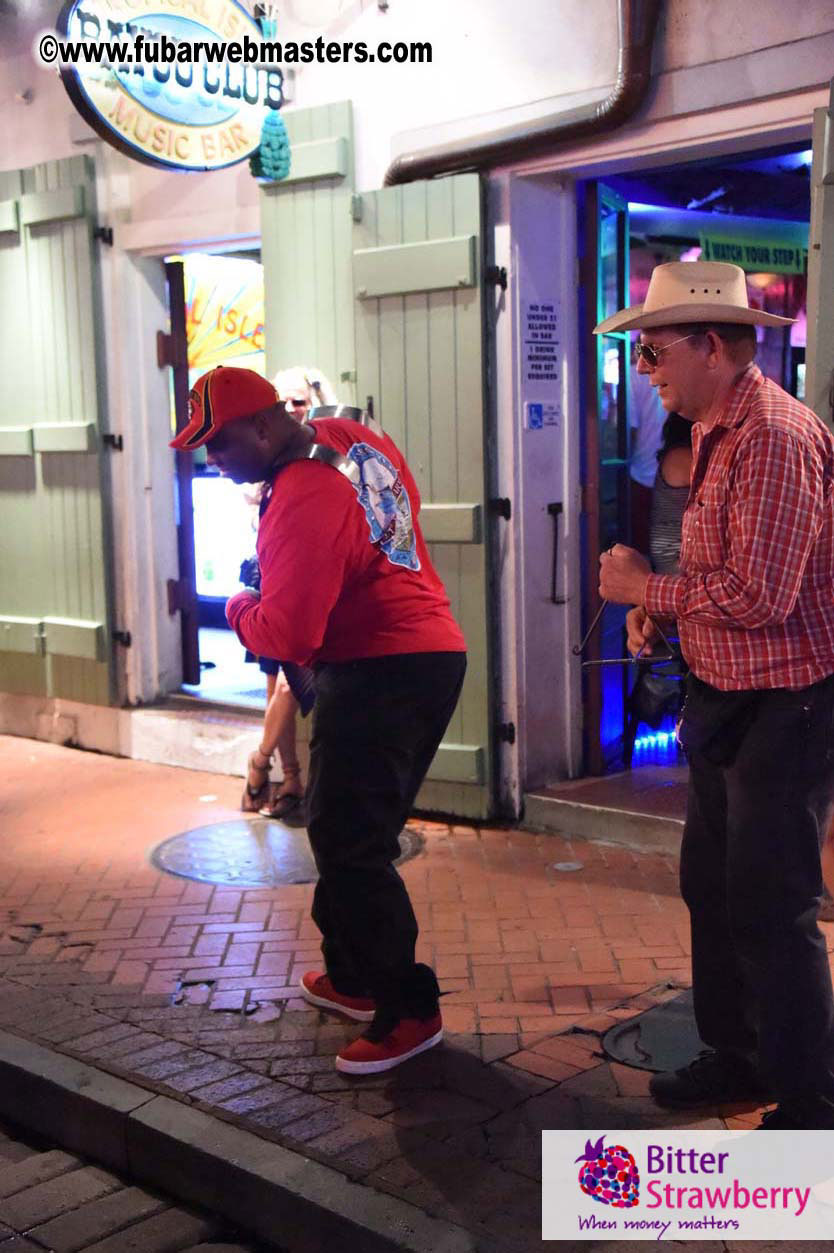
754	600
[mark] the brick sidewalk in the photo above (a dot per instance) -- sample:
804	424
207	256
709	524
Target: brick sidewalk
190	989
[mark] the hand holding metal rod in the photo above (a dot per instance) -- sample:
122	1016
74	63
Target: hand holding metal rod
578	649
671	655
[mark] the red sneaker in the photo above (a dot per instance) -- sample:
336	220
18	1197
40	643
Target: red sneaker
375	1051
318	990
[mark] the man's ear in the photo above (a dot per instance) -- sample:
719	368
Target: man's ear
715	350
261	425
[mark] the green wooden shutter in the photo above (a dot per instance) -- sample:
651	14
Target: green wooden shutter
54	620
419	353
306	247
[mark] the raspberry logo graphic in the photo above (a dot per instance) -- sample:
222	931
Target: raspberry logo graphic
609	1175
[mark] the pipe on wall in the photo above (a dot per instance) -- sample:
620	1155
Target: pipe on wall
636	27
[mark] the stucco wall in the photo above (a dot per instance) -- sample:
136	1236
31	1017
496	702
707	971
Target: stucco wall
698	32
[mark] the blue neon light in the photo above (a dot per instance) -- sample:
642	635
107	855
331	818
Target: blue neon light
659	746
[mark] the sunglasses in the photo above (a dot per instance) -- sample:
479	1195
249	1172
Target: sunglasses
651	352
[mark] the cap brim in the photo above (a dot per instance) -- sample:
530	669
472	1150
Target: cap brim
181	440
635	318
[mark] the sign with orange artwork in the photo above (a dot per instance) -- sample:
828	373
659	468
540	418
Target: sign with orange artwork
224	311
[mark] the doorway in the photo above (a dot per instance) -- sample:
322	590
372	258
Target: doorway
752	209
217	309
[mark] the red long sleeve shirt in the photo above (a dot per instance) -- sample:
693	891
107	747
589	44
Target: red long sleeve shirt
754	600
345	572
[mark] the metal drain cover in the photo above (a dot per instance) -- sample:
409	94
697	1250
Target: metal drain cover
662	1038
250	853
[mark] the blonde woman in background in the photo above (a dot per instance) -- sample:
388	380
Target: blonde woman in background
303	388
289	687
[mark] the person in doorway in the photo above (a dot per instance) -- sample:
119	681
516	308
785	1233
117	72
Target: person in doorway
669	494
289	688
657	694
360	599
754	603
646	418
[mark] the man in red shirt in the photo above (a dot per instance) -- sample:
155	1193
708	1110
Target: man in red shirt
347	586
754	605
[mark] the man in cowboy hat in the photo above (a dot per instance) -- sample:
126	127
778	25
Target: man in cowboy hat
347	584
754	606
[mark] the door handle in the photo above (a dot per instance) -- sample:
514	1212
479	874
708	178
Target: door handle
555	509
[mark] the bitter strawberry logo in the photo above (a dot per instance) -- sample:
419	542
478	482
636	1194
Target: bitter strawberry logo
609	1175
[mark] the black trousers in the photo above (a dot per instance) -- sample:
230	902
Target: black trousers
376	727
750	875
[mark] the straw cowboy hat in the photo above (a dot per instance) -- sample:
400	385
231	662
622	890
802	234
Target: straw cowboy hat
692	291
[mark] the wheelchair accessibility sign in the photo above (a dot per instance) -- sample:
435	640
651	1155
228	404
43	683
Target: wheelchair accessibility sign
538	415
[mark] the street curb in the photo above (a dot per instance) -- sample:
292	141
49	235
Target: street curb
268	1190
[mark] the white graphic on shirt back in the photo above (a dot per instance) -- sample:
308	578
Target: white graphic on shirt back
384	499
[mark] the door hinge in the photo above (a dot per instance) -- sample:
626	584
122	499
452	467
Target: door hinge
356	207
497	275
180	595
113	441
123	638
167	350
501	506
104	234
506	732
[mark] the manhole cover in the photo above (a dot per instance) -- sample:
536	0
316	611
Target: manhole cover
250	852
664	1038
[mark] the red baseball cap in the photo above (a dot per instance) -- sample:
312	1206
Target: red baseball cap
223	395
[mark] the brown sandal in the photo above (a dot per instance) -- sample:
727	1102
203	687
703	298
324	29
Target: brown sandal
254	797
284	804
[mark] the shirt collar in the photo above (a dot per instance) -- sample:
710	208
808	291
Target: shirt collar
737	404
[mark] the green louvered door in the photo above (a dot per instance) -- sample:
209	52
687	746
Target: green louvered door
306	246
54	623
419	354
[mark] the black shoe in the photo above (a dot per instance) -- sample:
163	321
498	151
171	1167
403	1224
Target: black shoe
803	1113
711	1079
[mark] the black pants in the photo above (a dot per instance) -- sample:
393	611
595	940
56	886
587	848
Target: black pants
376	727
750	875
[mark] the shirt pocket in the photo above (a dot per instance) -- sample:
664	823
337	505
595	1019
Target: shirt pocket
705	529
